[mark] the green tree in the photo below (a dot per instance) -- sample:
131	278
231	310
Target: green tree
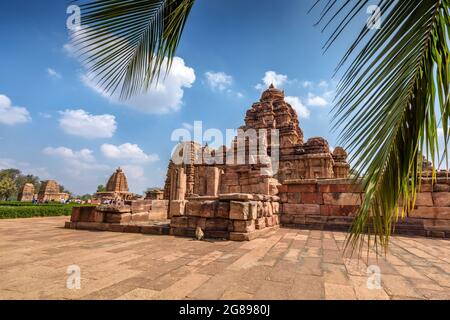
7	188
85	197
62	189
101	188
392	98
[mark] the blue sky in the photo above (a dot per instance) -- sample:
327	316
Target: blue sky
56	125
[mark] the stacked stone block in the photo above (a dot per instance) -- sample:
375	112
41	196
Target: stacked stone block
237	217
333	204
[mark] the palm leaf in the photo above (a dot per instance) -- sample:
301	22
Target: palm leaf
390	102
125	44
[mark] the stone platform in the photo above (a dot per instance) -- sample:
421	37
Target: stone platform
145	227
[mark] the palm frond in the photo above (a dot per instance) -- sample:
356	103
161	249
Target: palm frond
390	102
126	43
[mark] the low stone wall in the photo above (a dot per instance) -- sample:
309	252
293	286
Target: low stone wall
236	217
128	212
333	204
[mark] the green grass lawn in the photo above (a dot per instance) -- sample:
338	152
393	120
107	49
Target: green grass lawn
13	210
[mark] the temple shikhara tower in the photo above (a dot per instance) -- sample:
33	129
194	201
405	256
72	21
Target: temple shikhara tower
116	187
27	194
50	192
298	160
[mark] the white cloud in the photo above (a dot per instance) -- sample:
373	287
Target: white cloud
66	153
316	101
307	84
302	111
127	151
323	84
271	77
164	97
77	162
133	172
218	80
11	115
45	115
53	73
83	124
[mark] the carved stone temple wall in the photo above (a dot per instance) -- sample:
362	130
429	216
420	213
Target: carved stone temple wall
239	193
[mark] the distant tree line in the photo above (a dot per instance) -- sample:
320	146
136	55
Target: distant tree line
12	181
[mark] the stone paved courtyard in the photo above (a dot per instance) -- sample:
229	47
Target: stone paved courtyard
286	264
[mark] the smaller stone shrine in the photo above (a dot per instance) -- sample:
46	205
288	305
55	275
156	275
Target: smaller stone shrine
50	192
154	194
116	188
27	194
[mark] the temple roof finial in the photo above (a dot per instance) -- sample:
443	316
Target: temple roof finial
271	86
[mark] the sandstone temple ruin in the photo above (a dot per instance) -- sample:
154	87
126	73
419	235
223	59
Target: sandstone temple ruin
50	192
239	193
27	194
116	188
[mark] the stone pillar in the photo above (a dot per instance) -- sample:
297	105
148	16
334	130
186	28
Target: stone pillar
212	181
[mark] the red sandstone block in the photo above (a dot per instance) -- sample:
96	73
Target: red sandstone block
302	188
193	208
196	222
216	224
437	224
75	214
441	188
98	216
239	236
442	213
441	199
424	199
269	222
285	219
244	226
299	219
223	210
234	189
116	228
293	197
217	234
340	188
132	229
179	222
283	188
339	211
311	198
426	187
303	209
118	218
342	199
260	223
177	208
242	211
208	209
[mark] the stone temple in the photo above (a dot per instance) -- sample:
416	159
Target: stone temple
50	192
240	193
116	188
27	194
